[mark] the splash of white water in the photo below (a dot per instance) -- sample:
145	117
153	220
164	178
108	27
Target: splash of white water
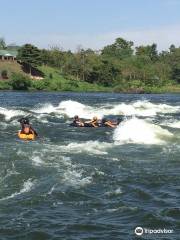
140	132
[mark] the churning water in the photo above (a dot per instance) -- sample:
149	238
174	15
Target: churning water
89	183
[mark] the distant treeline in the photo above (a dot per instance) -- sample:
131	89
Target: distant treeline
119	65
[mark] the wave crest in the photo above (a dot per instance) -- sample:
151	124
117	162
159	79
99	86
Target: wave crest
141	132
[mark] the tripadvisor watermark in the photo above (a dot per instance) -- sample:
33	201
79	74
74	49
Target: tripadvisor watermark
140	231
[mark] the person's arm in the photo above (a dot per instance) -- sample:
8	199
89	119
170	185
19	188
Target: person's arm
90	121
80	123
109	124
34	131
94	125
114	122
22	126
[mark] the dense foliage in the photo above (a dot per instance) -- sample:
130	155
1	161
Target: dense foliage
118	67
118	64
20	82
30	56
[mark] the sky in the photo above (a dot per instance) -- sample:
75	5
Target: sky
90	23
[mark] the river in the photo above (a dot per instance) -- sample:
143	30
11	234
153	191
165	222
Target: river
89	183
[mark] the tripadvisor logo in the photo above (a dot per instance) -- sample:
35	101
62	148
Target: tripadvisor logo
138	231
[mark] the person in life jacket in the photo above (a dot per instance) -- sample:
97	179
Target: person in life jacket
77	122
110	123
93	123
107	123
26	128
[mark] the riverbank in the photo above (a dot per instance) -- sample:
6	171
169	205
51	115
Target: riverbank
54	81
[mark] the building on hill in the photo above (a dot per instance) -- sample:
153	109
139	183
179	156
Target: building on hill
8	55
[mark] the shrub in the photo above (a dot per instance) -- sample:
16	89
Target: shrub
5	85
4	74
55	86
20	82
119	88
51	76
73	84
40	84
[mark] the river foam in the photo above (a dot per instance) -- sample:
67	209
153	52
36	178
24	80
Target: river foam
27	186
10	113
137	108
69	108
91	147
140	132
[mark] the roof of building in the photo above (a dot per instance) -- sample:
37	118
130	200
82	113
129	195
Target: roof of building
8	53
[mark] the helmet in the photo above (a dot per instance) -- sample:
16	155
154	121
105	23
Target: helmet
76	116
24	121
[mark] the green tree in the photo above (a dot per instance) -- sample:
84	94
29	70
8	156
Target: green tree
30	56
57	57
105	73
172	60
45	56
149	50
172	48
120	49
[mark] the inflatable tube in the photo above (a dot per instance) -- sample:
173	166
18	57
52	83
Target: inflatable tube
89	125
24	136
76	125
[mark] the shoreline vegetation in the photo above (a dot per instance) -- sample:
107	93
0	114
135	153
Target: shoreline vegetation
118	67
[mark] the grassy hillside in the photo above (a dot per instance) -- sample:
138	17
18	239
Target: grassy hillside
54	81
10	67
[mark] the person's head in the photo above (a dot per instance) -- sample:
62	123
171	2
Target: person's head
24	121
76	117
95	118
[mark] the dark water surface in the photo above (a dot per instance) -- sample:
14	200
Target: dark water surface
86	183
